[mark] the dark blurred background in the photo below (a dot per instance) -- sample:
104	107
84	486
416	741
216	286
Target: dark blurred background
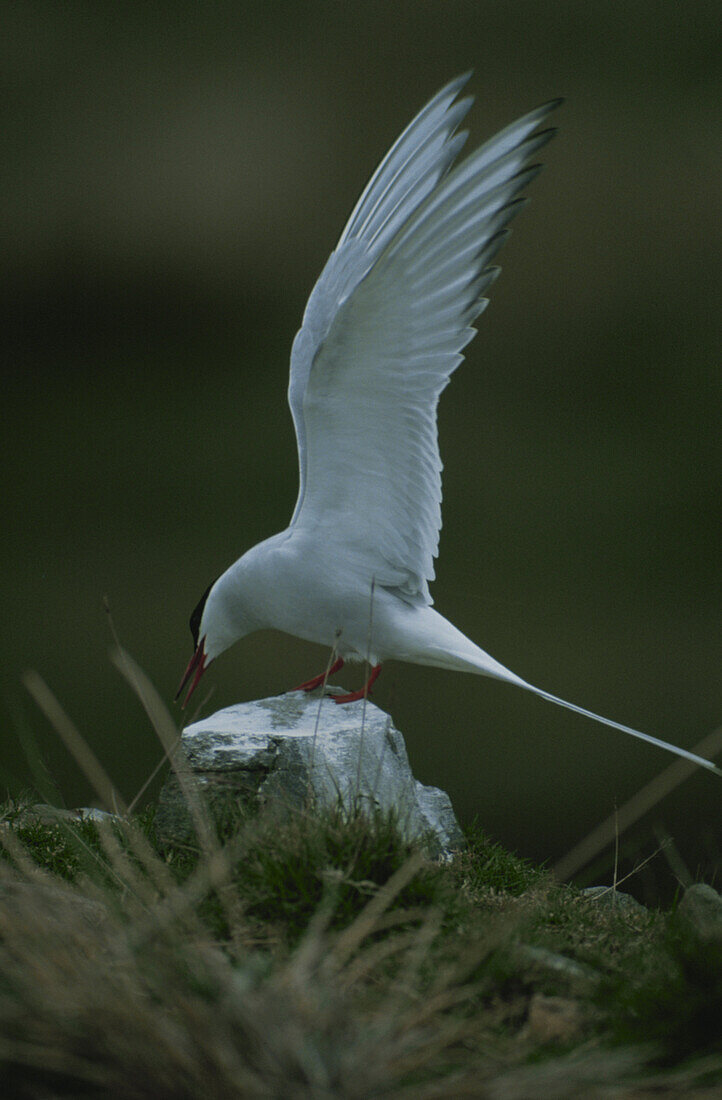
175	176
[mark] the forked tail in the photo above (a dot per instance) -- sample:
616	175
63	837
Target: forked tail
468	657
451	649
628	729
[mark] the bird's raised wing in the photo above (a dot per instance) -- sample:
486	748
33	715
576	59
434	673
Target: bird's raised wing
384	329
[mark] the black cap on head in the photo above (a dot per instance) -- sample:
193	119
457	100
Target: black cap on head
195	619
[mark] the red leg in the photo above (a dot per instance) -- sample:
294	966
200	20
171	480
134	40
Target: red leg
311	685
353	696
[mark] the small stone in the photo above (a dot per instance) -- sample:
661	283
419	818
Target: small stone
701	910
300	751
553	1019
45	814
92	813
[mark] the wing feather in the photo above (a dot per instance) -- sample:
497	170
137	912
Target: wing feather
427	135
384	329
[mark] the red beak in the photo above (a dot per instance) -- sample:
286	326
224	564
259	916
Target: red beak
197	665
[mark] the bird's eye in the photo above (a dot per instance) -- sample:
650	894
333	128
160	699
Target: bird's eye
195	619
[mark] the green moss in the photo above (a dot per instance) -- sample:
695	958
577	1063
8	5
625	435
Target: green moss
289	869
63	848
672	998
487	866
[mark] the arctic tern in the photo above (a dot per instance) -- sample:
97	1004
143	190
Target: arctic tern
382	332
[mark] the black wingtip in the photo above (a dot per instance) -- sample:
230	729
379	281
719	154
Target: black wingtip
464	78
455	85
545	109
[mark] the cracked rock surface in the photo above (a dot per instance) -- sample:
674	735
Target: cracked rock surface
296	751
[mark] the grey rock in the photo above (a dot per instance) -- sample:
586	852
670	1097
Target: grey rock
607	895
45	814
92	813
296	751
701	910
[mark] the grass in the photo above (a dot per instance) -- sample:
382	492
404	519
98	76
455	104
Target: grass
287	871
676	1007
328	958
325	956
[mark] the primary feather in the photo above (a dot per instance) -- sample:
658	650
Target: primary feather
385	327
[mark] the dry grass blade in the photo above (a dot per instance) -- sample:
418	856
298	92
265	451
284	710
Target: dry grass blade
103	786
210	874
132	805
169	737
143	888
356	933
374	955
329	665
20	858
640	803
672	854
84	756
419	950
60	1062
215	872
155	868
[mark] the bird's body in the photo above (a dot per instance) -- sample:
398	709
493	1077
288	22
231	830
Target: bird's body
382	333
319	591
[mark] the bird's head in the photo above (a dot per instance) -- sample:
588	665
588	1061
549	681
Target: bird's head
219	619
211	635
200	660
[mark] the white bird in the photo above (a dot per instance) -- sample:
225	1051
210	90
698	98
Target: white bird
382	333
